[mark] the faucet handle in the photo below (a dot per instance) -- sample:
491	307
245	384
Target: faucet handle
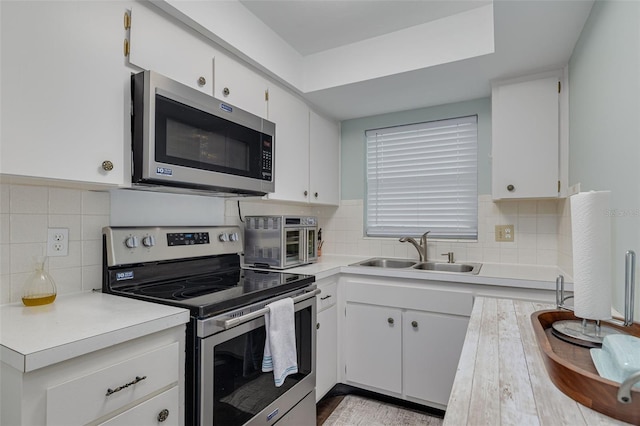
449	257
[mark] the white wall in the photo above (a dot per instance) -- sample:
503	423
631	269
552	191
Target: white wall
604	122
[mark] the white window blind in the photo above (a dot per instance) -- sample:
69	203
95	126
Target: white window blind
423	177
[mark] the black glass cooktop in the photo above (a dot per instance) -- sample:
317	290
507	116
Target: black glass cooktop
199	286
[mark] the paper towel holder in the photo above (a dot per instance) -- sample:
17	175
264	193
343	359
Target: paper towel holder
591	334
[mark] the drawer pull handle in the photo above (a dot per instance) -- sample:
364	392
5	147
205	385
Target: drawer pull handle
414	324
326	297
131	383
390	321
163	415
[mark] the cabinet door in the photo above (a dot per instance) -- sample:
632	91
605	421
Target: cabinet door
525	143
324	160
291	117
240	86
175	51
65	91
327	351
373	346
431	351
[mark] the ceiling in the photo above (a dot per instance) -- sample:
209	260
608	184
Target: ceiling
529	36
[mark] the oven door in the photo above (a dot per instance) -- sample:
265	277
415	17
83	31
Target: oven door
293	247
312	244
235	391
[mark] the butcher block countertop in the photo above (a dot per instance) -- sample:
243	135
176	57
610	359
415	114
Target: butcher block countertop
501	378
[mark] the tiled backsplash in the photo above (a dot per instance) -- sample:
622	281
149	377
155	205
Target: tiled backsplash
26	212
542	234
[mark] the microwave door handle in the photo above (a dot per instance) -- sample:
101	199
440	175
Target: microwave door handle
227	324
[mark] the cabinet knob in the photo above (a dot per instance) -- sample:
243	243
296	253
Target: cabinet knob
414	324
390	320
107	166
318	326
315	194
202	81
510	188
226	91
163	415
306	193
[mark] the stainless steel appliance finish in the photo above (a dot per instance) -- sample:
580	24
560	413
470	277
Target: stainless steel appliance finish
280	242
198	268
184	140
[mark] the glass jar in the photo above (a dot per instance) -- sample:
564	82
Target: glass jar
39	289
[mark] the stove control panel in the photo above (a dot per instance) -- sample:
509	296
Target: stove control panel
186	239
127	245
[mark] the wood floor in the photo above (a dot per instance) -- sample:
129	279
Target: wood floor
330	402
325	407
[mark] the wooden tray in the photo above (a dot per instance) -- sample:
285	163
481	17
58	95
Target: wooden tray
571	369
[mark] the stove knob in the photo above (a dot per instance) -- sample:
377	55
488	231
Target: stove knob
234	237
223	237
131	242
149	241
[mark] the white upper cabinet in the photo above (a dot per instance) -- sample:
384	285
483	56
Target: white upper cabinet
159	44
528	137
291	117
307	152
240	86
65	91
324	160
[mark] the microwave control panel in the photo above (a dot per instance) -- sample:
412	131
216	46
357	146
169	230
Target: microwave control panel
267	158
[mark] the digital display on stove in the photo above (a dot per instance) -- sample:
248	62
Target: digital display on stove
187	238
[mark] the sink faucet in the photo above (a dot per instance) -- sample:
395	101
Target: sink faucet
422	247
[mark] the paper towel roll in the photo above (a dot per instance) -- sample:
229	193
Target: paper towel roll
591	229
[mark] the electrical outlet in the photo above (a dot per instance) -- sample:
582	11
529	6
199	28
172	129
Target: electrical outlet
57	242
505	233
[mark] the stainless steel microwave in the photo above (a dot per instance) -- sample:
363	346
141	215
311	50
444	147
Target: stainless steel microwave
187	140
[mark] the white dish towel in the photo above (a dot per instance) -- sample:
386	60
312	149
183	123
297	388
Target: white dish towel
280	344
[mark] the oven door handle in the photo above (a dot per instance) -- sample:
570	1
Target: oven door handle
227	324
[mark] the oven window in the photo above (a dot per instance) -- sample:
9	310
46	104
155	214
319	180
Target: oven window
241	389
192	138
293	246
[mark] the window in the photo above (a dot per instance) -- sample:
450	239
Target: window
423	177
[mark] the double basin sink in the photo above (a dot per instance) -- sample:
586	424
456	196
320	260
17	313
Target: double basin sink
461	268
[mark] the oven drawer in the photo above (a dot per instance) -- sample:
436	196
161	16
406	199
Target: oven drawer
101	392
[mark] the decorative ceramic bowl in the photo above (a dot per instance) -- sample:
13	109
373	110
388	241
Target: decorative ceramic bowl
618	358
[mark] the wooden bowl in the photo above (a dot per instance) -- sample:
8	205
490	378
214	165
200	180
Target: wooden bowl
571	369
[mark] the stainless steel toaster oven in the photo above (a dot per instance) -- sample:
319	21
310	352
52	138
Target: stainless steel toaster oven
280	242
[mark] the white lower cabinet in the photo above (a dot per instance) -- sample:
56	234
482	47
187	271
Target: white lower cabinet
139	382
374	346
404	340
431	349
327	352
327	338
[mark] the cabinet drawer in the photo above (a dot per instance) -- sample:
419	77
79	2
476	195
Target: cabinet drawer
161	409
327	297
96	394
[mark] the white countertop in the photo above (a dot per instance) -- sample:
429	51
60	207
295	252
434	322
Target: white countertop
499	274
77	324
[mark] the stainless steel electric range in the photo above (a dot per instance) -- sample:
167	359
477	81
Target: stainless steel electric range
198	268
